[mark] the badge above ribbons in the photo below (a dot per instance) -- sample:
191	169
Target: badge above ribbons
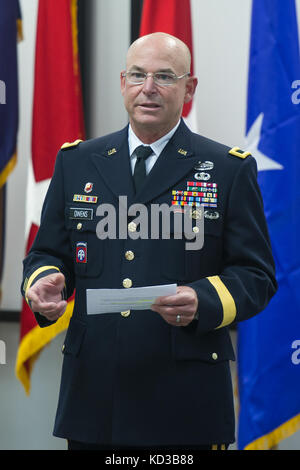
88	188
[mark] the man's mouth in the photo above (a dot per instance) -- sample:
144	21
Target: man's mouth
149	105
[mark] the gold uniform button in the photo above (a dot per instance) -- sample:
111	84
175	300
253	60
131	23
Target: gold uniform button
79	226
129	255
63	348
125	314
196	229
214	356
127	283
132	227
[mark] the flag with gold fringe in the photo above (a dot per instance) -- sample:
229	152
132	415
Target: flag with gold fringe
10	33
57	118
269	344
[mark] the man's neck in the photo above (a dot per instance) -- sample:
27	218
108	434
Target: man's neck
148	136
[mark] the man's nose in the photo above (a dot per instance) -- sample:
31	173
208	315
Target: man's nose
149	85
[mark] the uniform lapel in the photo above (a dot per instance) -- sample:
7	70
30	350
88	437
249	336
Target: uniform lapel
113	165
176	160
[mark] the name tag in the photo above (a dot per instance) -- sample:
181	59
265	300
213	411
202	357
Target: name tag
81	214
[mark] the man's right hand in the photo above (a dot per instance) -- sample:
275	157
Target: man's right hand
46	298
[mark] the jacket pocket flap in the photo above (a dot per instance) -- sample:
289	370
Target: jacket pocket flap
80	218
212	347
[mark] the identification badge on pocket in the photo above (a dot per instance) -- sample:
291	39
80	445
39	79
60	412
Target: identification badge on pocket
78	213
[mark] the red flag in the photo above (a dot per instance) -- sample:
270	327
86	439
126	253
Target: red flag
172	17
57	118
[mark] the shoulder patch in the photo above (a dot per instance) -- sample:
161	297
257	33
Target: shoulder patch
68	145
237	152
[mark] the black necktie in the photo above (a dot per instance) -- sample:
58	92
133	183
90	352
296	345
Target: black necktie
139	175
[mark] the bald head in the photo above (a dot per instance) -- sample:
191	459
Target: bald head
154	108
167	44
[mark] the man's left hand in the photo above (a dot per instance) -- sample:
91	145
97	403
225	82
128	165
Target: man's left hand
179	309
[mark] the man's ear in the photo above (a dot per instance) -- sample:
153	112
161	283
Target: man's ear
122	82
190	88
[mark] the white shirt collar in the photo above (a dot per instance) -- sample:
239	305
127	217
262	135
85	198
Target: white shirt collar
157	146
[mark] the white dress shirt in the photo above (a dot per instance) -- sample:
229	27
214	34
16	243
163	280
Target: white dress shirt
157	147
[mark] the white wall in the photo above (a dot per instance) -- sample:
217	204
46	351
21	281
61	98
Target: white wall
110	38
221	43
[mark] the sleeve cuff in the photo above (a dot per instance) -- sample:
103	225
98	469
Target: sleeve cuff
35	276
226	299
216	305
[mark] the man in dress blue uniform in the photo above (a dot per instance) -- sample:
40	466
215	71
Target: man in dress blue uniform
157	377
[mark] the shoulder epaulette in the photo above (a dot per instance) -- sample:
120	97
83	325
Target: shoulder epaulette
68	145
237	152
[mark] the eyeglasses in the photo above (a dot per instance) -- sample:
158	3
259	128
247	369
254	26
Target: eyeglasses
160	78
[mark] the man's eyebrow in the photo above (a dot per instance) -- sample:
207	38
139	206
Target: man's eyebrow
165	71
141	69
136	67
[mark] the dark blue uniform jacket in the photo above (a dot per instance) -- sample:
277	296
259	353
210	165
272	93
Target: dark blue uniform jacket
131	378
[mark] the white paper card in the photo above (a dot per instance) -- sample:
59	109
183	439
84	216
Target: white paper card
119	300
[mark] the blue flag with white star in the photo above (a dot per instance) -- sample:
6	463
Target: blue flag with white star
269	344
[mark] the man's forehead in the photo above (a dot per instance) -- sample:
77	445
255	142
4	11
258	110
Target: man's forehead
161	58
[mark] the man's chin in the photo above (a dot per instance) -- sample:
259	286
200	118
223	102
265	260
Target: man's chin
148	119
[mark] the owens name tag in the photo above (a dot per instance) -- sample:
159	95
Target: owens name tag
81	214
